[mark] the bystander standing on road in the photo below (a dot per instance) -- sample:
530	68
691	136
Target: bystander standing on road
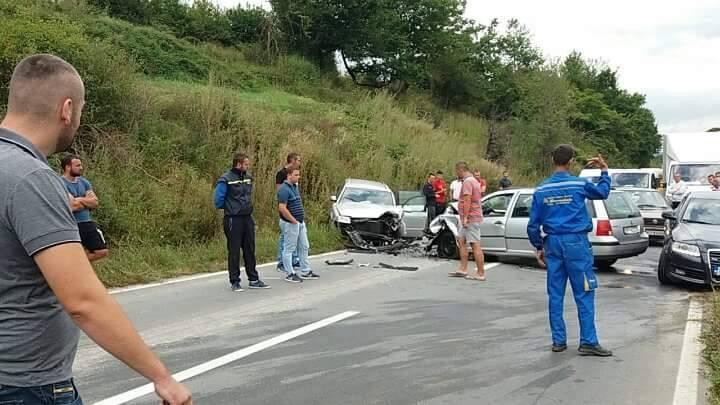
294	229
483	183
505	182
677	190
233	195
471	217
440	188
430	200
559	210
291	162
47	285
455	189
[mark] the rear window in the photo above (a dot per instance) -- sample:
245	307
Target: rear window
620	205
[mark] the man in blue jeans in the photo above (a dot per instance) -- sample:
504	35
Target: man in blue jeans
294	231
291	162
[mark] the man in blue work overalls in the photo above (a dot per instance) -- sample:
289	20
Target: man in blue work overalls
559	209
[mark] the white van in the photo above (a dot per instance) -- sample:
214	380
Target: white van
635	178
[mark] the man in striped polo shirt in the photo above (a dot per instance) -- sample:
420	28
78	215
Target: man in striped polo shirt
294	230
471	216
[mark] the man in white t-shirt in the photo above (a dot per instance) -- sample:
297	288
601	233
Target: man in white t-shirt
456	189
677	190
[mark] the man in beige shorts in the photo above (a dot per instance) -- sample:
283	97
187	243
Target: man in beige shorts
471	216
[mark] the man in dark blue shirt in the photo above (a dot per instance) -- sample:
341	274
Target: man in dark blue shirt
292	225
233	194
82	200
559	210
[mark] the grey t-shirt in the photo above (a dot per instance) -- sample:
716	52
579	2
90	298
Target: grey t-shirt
38	340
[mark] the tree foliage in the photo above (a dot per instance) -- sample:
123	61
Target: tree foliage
491	71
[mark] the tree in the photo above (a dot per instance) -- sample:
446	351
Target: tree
612	119
380	41
541	120
246	24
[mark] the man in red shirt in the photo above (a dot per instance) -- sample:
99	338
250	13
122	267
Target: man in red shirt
471	216
440	189
481	180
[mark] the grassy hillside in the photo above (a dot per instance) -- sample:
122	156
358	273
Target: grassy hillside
165	115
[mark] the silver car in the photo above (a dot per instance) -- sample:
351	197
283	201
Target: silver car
618	229
368	215
651	204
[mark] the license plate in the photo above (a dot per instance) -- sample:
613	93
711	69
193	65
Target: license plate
632	230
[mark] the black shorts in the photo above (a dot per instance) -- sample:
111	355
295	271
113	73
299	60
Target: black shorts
91	237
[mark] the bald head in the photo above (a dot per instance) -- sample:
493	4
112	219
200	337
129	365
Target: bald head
47	91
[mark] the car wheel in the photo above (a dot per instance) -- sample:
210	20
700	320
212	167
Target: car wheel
447	246
605	265
662	270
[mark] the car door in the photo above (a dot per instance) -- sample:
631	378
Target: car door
495	210
414	212
516	237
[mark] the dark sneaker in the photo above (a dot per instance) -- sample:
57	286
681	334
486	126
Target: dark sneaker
236	287
558	348
597	350
293	278
309	276
258	285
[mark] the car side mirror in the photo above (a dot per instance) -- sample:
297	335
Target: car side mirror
670	215
333	198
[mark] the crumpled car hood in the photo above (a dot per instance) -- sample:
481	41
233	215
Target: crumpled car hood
365	210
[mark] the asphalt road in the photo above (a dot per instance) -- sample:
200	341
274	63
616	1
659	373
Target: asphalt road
418	338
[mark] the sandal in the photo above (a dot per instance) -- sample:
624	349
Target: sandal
457	274
475	278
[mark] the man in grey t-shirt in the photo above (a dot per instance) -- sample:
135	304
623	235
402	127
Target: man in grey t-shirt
47	286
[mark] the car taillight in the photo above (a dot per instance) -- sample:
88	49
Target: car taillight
604	228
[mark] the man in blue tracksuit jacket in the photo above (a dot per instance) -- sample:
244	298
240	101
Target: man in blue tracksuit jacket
559	208
233	195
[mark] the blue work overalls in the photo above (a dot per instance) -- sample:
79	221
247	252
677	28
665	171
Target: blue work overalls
559	210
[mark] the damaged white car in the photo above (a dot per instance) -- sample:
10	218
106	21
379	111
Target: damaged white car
368	215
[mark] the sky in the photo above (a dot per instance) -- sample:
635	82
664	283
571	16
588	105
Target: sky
667	50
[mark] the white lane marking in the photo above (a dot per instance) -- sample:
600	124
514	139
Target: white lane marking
202	276
686	385
491	265
228	358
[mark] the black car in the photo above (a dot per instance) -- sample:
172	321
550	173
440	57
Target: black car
691	248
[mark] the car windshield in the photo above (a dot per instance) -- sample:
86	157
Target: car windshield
702	211
636	180
694	173
648	199
620	205
640	180
361	195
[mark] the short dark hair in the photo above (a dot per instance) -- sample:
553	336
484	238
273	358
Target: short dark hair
67	160
440	172
238	157
431	174
563	154
462	165
292	156
37	82
291	171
